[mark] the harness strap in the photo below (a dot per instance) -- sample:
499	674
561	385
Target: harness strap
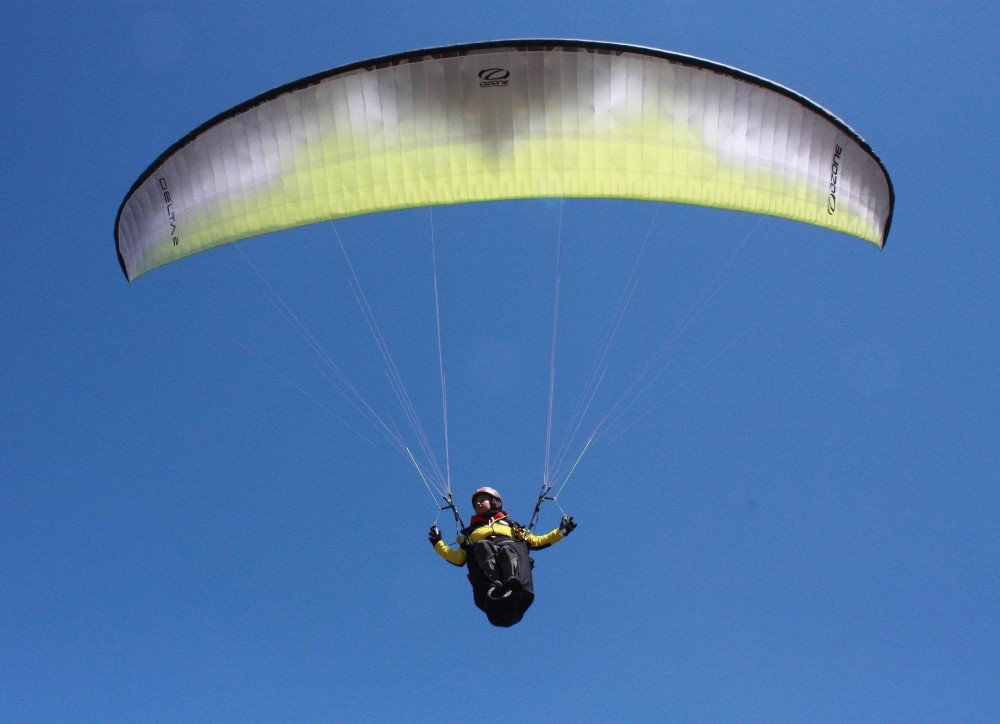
542	497
450	505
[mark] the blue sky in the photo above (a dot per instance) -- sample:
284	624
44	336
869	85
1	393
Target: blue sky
803	527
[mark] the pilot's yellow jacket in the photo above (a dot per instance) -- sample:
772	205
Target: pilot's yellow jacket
498	525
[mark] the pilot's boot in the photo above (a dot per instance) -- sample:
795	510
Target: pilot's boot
487	559
508	564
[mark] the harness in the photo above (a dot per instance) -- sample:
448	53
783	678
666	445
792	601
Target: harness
477	522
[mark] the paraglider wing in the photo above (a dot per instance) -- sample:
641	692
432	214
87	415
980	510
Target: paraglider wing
503	120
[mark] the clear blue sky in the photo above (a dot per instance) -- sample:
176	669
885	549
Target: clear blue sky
806	528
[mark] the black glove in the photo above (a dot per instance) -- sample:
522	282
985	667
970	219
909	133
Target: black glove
434	535
567	525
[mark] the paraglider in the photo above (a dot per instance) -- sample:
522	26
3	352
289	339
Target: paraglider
494	121
495	550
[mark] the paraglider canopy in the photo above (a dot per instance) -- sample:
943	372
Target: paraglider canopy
503	120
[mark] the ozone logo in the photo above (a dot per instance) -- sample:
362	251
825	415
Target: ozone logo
494	77
831	201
